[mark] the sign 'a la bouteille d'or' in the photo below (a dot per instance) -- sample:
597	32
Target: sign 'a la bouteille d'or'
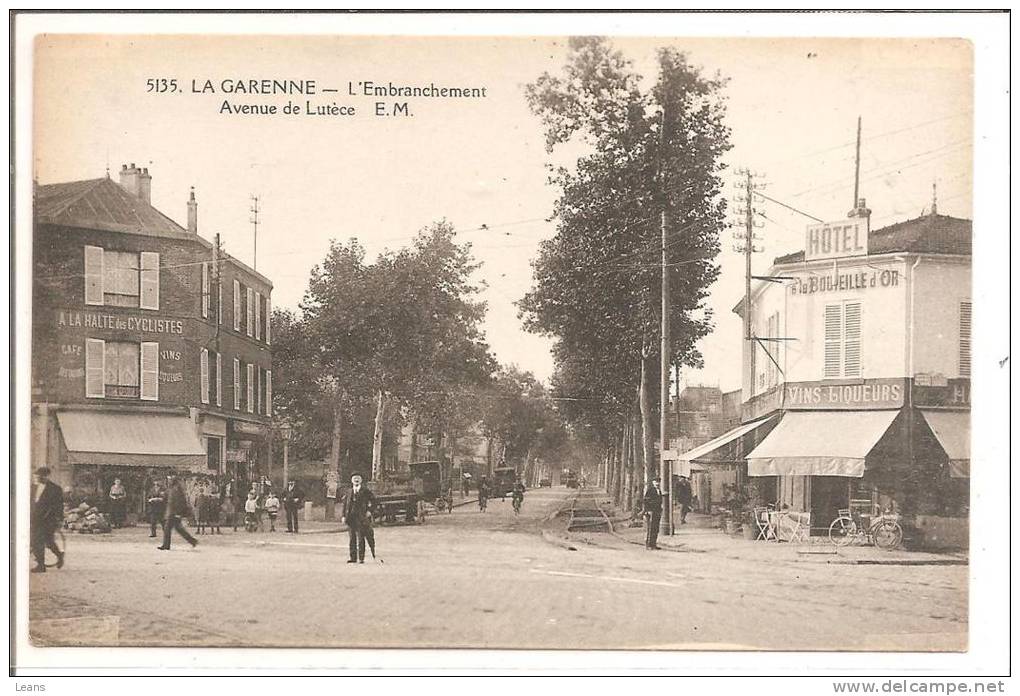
829	240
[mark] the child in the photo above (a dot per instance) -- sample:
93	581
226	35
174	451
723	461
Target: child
272	508
251	512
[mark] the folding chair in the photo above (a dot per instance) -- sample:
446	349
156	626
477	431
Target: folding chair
765	530
801	528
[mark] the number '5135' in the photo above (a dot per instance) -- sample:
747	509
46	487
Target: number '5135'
160	85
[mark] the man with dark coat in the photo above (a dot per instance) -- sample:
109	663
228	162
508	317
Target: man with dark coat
176	507
47	516
651	506
155	506
683	497
293	499
359	504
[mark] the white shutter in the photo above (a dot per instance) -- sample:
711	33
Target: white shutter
249	325
250	375
150	371
269	311
93	275
237	306
219	379
258	315
258	390
150	280
203	380
852	339
833	340
269	392
95	368
205	291
219	303
964	362
237	385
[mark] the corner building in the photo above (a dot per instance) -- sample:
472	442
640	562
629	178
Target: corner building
151	348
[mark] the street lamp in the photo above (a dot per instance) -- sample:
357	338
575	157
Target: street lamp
285	433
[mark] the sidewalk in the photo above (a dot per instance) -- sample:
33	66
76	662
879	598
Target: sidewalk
697	536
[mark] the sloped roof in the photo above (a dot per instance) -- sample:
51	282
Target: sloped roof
101	204
928	234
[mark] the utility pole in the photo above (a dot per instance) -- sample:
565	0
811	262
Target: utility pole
255	223
745	245
857	164
665	348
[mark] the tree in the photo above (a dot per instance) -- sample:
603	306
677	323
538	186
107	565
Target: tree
596	283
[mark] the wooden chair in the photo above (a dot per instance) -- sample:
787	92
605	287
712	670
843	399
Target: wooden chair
766	532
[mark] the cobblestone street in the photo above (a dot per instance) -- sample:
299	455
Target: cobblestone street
472	579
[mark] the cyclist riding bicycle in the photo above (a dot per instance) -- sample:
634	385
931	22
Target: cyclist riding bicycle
517	496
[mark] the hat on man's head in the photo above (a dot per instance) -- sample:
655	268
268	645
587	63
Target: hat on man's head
43	471
358	474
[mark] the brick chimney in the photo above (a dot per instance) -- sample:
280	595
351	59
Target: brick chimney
192	213
136	181
861	211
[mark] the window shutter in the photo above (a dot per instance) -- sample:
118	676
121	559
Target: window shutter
150	280
219	303
965	338
269	392
95	368
852	339
833	340
258	390
269	311
250	380
93	275
237	385
150	371
219	379
237	306
205	291
258	315
249	325
203	381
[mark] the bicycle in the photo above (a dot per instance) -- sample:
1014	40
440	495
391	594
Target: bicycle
884	531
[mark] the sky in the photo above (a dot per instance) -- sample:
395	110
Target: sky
480	163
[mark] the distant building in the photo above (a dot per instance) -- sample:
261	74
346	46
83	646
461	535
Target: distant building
703	414
150	349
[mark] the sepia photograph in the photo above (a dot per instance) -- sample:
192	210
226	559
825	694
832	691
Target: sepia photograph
589	341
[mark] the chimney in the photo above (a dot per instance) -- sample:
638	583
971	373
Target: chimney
136	181
192	213
861	210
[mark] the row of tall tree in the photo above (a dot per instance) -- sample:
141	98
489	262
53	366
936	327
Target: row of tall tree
597	282
396	341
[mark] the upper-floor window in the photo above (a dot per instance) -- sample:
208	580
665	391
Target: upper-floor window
121	278
842	340
964	361
121	370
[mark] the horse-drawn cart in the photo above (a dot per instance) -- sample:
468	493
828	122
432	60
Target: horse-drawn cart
410	497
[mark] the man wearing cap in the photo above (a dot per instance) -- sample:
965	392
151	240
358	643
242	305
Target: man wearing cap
651	505
47	516
359	503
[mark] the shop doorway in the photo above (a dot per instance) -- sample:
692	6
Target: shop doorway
828	495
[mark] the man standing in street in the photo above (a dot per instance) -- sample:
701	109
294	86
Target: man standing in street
155	506
293	499
652	509
176	508
47	516
359	503
683	497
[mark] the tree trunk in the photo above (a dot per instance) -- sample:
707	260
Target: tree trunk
649	428
413	455
621	464
377	436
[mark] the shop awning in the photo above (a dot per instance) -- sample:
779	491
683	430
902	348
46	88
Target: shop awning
819	443
705	451
131	439
952	430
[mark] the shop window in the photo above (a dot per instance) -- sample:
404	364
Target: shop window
843	340
964	362
121	278
213	447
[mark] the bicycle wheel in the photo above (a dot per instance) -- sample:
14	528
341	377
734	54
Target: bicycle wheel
887	535
842	531
50	558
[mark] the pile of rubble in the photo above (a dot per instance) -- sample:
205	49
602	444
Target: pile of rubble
86	520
